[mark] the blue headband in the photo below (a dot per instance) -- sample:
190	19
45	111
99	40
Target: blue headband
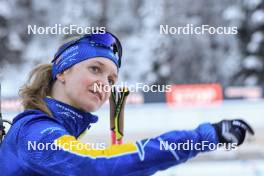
82	50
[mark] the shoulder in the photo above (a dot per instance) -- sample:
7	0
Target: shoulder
28	115
35	124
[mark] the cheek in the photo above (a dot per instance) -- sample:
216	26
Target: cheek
86	82
78	87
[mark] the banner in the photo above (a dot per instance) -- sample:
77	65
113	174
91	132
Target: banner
194	94
252	93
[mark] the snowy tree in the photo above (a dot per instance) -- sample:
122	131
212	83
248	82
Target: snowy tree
148	56
249	15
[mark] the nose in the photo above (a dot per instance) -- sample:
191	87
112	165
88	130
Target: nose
104	84
103	81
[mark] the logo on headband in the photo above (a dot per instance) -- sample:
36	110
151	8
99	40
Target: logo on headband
113	55
67	52
58	60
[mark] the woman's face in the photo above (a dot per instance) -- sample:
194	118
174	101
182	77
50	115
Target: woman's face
82	81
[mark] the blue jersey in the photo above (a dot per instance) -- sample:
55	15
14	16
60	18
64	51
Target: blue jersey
37	144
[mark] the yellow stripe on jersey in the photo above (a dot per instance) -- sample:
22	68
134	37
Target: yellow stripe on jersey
69	143
83	134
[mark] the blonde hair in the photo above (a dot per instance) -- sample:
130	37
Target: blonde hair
37	87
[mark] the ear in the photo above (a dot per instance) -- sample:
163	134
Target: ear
61	77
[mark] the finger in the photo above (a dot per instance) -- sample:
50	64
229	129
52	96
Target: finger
241	123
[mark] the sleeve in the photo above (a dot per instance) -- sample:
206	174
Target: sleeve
48	149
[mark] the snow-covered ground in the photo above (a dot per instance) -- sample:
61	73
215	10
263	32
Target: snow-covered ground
159	117
217	168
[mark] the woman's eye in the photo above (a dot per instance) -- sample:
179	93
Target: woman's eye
95	69
111	82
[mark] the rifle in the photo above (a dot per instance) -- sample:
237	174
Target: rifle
2	121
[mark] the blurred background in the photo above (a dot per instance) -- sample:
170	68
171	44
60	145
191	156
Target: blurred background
212	76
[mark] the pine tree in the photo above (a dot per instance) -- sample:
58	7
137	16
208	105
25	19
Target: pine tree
251	40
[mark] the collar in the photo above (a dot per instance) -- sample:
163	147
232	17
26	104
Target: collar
74	120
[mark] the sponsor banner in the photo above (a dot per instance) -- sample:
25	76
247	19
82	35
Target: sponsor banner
154	97
133	98
11	105
194	94
255	92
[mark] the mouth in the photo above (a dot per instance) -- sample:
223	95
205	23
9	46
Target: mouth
97	94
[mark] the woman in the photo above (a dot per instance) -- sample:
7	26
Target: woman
58	99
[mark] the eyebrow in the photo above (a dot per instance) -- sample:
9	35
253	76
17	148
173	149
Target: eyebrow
100	63
114	75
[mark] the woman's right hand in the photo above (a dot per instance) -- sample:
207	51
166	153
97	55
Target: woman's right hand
232	131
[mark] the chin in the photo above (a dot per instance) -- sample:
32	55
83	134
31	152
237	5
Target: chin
92	108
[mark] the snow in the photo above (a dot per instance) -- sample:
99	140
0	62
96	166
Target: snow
12	79
252	4
255	43
148	56
252	62
5	9
217	168
257	18
15	42
235	15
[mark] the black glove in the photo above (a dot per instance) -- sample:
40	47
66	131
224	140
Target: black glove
232	131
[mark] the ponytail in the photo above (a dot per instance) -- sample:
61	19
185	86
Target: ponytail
37	87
